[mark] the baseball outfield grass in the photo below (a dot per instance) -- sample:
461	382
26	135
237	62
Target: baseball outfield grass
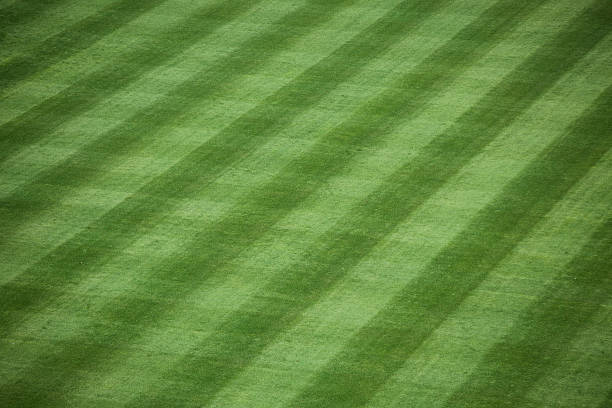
306	203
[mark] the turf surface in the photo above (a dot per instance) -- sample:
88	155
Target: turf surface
308	203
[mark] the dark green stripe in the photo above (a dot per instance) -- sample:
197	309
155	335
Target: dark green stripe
72	40
607	402
544	332
22	12
384	344
85	94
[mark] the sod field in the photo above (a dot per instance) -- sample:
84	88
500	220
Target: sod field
306	203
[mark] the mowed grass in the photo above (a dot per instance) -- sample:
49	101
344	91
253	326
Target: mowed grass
309	203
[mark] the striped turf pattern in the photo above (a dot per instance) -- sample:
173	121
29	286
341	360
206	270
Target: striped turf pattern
306	203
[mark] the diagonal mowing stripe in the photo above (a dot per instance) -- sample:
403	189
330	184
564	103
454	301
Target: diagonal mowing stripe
308	20
323	329
333	261
75	38
218	286
238	140
285	189
581	376
136	132
536	341
385	343
444	361
103	83
139	311
21	12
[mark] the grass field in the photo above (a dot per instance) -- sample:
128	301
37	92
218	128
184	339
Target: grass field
306	203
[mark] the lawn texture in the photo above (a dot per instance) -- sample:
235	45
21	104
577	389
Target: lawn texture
309	203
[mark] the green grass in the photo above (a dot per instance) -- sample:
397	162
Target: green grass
315	203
